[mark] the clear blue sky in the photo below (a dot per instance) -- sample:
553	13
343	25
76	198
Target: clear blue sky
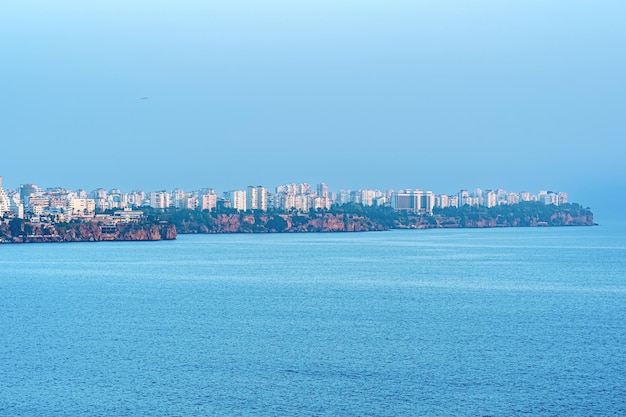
440	95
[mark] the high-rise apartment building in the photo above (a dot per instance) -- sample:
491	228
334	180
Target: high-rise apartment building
512	198
26	190
464	198
237	199
82	206
208	201
160	199
5	204
415	201
322	190
490	198
256	198
442	201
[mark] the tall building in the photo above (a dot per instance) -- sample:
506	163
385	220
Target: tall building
26	190
512	198
180	199
549	198
427	203
237	199
415	201
208	201
490	198
82	206
442	201
16	206
136	198
322	190
256	198
344	197
464	198
159	199
5	204
366	197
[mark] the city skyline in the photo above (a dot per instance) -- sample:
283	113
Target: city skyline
220	190
32	200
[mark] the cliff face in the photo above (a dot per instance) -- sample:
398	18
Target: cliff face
358	218
25	232
556	219
289	223
134	231
566	219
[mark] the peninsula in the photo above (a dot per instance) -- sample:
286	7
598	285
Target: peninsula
151	224
32	214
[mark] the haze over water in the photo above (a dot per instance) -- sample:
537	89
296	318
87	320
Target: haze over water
440	322
442	95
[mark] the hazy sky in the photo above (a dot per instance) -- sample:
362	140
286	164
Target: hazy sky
439	95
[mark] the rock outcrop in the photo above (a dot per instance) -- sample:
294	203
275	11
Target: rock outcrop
286	223
19	231
356	218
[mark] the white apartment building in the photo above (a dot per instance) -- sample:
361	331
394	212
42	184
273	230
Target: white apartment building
237	199
180	199
82	206
302	202
159	199
549	198
286	201
464	198
137	198
208	201
320	203
442	201
344	197
490	198
367	197
513	198
322	190
16	206
256	198
4	200
5	204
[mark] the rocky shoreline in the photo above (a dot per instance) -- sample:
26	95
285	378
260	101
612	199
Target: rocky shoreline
360	219
84	232
165	225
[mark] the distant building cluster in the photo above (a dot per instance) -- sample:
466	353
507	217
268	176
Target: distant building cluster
64	205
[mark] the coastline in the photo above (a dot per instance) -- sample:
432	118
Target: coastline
167	224
87	232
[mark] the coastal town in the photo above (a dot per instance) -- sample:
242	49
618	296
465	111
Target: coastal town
62	205
33	214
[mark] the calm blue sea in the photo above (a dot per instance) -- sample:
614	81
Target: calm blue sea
491	322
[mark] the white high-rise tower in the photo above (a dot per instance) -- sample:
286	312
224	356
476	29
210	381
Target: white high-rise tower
4	200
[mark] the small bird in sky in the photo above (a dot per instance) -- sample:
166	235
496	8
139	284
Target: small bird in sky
143	98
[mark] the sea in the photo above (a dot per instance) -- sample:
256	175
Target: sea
465	322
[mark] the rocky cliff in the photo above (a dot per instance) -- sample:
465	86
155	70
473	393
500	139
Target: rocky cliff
481	221
20	231
356	218
285	223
